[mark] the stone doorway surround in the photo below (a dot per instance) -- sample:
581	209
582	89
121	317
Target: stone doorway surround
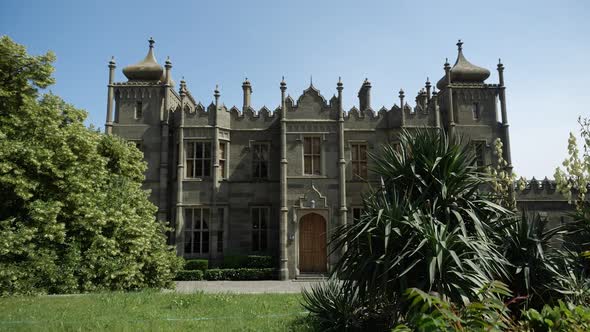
312	202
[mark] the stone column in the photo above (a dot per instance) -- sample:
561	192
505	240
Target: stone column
283	226
109	123
179	225
341	160
502	95
215	176
451	112
436	109
401	102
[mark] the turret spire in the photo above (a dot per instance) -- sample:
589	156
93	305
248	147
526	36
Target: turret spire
147	70
463	71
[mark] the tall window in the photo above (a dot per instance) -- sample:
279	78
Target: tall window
221	216
196	231
311	155
260	154
198	159
476	112
359	161
138	110
260	218
480	148
222	158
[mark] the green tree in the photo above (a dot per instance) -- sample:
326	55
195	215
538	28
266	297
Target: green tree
73	216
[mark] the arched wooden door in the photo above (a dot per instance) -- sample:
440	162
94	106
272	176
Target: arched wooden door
312	244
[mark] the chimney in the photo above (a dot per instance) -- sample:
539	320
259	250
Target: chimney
365	95
247	87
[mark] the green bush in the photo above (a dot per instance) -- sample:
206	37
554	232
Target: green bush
259	262
240	274
186	275
336	308
563	317
196	264
247	261
431	312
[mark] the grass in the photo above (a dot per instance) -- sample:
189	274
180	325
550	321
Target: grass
154	311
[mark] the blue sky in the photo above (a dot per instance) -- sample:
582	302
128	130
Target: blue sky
545	47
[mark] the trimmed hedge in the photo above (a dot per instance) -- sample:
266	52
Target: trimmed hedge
185	275
259	262
247	261
240	274
196	264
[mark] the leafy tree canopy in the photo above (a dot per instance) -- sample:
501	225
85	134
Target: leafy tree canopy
73	216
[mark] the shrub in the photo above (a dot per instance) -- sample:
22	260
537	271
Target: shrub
259	262
431	312
336	308
563	317
196	264
247	261
186	275
240	274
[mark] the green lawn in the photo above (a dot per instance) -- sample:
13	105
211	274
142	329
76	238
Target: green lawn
154	311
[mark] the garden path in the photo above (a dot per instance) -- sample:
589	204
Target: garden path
243	287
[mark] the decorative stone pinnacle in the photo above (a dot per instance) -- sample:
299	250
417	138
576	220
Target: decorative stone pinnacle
459	45
112	61
427	81
339	84
401	93
500	65
283	84
447	65
152	42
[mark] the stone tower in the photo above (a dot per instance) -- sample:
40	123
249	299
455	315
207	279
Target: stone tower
468	106
141	111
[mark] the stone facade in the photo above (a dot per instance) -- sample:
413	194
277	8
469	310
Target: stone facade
243	180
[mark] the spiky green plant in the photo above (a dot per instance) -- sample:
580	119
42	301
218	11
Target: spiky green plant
531	248
428	227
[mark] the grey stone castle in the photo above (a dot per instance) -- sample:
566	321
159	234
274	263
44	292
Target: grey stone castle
278	181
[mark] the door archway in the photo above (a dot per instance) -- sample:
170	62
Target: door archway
312	244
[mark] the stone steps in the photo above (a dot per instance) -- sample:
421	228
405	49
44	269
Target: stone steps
311	277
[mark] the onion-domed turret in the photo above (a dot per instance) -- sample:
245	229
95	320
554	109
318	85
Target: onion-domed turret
147	70
464	71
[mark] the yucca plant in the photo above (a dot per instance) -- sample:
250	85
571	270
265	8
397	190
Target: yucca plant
428	227
532	249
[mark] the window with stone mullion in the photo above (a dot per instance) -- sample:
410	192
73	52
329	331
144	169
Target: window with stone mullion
359	161
196	231
198	159
311	155
260	160
260	218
